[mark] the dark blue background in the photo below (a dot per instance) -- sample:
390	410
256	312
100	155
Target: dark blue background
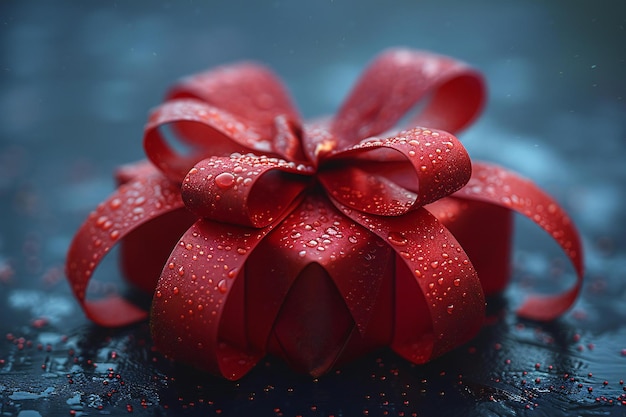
78	78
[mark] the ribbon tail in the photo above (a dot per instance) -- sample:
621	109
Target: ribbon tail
498	186
130	206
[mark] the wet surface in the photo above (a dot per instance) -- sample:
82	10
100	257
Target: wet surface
77	82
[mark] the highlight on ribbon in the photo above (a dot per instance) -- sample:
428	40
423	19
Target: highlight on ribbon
315	241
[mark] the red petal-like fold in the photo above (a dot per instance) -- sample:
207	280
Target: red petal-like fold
248	190
399	79
209	130
198	312
391	176
320	289
499	186
439	299
314	324
132	205
247	90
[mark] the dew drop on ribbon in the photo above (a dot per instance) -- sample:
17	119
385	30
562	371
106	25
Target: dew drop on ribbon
225	180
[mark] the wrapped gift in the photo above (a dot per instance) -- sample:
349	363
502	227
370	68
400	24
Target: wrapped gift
315	241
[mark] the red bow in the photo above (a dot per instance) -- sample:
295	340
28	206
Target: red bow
317	242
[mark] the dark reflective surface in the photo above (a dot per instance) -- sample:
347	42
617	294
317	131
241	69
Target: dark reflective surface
76	83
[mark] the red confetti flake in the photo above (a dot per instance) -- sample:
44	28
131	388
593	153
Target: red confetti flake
39	323
376	237
6	272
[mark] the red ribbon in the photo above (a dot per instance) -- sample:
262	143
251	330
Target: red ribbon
317	242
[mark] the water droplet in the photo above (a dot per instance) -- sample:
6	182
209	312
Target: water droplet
222	286
457	282
434	264
352	239
302	253
225	180
398	239
175	290
115	203
181	271
450	308
332	231
114	234
312	243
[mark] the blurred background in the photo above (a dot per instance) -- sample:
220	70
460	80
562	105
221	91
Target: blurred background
77	80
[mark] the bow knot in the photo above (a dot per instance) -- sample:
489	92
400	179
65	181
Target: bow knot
383	176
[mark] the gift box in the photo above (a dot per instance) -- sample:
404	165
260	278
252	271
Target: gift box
317	241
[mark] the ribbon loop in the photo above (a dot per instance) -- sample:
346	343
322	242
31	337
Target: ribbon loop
389	177
248	190
208	130
399	79
132	205
247	90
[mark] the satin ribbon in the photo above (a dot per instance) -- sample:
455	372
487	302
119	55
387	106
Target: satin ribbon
315	241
